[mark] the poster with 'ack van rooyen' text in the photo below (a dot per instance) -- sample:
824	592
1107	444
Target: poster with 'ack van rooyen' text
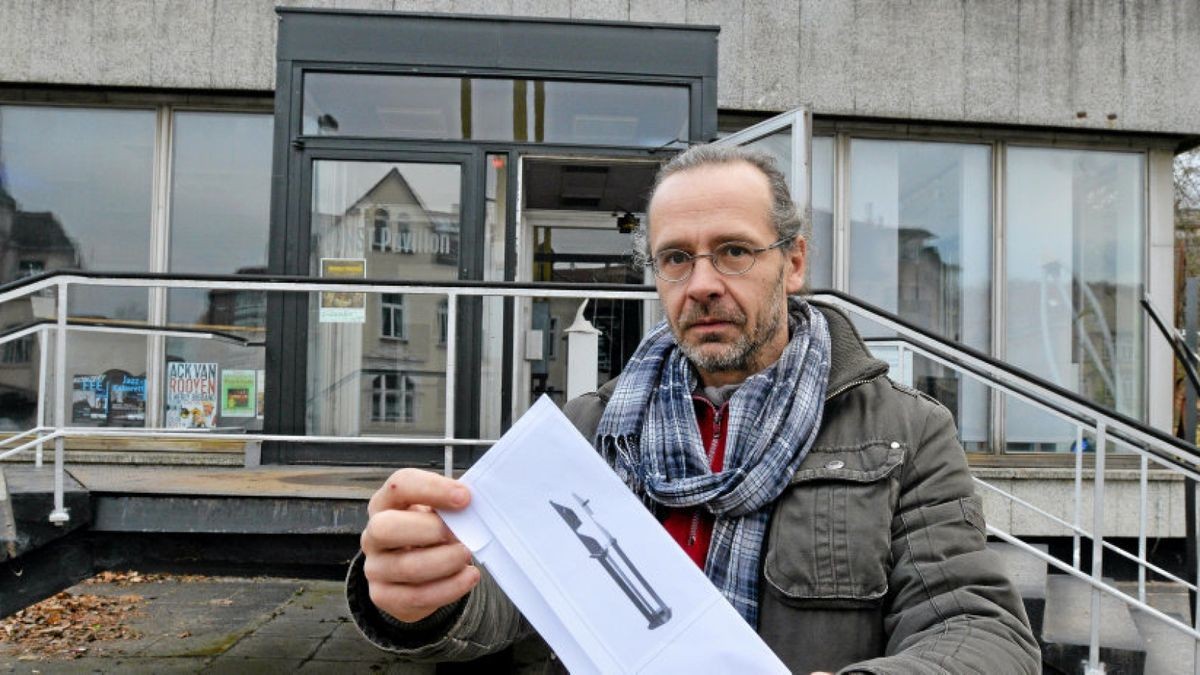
192	390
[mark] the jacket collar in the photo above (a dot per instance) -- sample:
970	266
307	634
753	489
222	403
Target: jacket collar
850	361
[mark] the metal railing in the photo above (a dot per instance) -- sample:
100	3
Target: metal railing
1109	429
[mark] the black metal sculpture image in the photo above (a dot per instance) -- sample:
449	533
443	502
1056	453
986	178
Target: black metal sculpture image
603	548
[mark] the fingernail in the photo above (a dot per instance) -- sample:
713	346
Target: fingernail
460	496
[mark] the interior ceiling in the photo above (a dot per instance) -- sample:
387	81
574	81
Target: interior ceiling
590	186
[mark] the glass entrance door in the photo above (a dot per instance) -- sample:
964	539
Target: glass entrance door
577	219
376	363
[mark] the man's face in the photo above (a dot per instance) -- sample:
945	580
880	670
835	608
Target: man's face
730	327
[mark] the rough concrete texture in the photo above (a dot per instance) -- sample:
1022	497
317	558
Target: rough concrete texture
227	625
1061	63
1164	506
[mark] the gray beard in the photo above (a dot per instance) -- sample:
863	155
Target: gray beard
740	355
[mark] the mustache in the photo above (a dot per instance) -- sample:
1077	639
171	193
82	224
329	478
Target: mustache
701	313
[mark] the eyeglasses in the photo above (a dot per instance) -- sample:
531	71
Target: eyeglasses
733	258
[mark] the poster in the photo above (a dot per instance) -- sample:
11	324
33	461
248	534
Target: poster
126	398
339	306
237	393
191	395
114	397
260	375
89	398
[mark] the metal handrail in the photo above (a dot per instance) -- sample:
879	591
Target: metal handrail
1108	426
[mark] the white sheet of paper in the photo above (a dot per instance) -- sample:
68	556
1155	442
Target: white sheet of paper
629	602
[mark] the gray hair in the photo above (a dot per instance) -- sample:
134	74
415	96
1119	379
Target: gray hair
788	221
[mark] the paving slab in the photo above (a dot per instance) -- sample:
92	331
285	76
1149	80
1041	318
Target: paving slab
225	625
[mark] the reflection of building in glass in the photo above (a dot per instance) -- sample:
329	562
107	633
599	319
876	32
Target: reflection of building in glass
396	360
234	308
30	243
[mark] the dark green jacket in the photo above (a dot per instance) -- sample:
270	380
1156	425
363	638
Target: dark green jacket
876	559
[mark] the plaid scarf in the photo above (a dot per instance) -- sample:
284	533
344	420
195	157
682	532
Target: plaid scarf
650	436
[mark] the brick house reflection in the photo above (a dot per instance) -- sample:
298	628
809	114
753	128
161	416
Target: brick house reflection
387	375
30	243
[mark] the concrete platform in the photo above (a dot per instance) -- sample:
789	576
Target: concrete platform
309	482
226	625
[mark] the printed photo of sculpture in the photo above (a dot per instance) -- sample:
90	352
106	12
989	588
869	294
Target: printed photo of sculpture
604	549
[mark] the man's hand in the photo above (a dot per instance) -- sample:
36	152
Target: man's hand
414	564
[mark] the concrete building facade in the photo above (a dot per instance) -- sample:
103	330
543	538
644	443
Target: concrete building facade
997	172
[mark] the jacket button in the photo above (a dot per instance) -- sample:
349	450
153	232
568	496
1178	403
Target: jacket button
895	445
835	464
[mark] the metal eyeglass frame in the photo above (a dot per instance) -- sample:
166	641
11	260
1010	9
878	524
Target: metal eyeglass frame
712	257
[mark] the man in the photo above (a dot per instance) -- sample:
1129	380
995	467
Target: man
832	507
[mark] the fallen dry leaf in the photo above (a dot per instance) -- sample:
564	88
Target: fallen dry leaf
58	625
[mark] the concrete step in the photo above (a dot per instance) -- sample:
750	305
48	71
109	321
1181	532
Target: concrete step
1168	651
1029	575
1067	630
26	499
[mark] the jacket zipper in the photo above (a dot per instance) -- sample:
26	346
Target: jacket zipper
712	452
845	387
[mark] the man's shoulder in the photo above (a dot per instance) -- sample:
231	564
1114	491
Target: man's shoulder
586	410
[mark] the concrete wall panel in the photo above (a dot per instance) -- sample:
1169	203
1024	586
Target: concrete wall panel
542	8
61	41
423	5
1043	64
826	66
936	78
244	44
1095	39
607	10
728	15
1035	62
659	11
182	42
990	56
16	36
771	60
118	47
486	7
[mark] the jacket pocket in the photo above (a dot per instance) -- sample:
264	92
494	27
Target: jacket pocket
830	538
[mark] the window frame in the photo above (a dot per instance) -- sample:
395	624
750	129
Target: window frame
1001	139
161	188
389	309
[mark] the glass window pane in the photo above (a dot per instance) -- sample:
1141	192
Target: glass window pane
920	246
820	240
498	109
75	190
220	220
75	193
1076	228
395	334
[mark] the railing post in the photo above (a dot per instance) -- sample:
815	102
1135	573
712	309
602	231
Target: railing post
59	515
583	352
41	401
1143	488
1076	552
451	376
1094	666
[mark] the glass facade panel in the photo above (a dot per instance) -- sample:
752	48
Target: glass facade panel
220	222
1076	227
920	246
75	193
381	370
820	240
497	109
